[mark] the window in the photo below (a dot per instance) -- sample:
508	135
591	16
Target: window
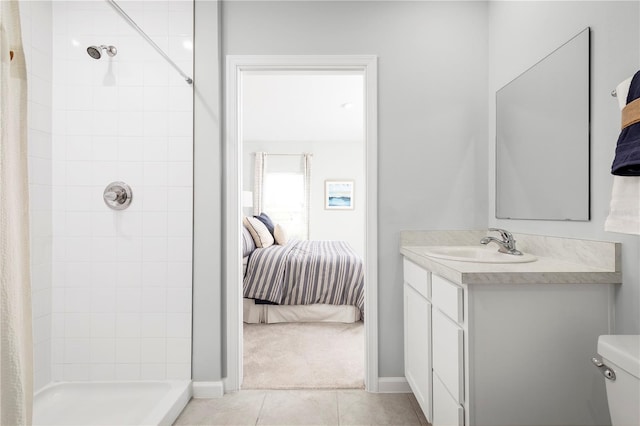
284	200
282	185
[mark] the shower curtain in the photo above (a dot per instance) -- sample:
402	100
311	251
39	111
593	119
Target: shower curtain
16	346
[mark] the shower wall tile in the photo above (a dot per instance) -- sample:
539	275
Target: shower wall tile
179	274
153	350
40	90
177	371
39	144
103	325
103	351
181	199
154	325
122	280
153	371
128	371
102	372
180	99
42	362
75	371
178	325
77	325
178	350
131	74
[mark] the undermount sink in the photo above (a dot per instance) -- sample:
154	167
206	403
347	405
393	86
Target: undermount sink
480	254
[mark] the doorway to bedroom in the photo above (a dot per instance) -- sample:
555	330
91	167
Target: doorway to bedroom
303	132
303	183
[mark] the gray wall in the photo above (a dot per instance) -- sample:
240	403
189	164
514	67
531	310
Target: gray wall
520	34
207	362
431	113
437	80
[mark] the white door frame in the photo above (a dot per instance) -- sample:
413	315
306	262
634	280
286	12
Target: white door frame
236	64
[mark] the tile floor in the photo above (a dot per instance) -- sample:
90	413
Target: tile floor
304	407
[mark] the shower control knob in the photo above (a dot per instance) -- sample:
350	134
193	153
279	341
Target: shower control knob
117	195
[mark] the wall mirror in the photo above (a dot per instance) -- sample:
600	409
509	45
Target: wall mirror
542	138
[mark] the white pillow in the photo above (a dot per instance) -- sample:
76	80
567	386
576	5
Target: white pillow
248	245
261	235
280	235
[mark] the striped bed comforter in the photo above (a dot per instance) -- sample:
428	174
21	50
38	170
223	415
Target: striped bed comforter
306	272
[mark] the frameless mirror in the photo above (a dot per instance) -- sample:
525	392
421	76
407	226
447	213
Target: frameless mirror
542	138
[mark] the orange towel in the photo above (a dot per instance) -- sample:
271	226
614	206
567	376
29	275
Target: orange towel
631	113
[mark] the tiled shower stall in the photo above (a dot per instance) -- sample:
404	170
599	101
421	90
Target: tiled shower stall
111	289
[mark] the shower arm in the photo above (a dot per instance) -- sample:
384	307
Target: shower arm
144	35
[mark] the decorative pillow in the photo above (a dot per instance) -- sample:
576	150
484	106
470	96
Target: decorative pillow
261	235
248	245
267	221
280	235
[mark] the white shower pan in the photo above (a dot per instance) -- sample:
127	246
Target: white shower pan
110	403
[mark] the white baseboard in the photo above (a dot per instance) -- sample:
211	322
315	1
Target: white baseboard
208	389
393	385
216	389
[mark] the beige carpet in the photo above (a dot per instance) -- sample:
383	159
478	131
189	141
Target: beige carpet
304	356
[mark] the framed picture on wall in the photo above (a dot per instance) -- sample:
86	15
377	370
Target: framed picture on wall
338	194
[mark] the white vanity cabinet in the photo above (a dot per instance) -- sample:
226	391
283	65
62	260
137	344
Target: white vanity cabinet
505	353
433	344
417	332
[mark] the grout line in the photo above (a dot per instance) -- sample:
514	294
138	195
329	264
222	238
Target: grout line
261	407
337	406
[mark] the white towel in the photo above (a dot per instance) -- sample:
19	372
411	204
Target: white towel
624	213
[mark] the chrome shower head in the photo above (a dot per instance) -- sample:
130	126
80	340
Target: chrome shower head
96	51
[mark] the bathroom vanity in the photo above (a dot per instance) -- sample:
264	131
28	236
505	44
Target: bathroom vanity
507	343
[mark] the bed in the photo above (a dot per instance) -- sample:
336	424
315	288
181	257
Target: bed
302	281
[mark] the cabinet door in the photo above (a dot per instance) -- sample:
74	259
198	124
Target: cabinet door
446	411
417	347
448	353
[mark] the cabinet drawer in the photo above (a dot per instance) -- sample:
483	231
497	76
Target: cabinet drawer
446	411
417	277
448	354
447	296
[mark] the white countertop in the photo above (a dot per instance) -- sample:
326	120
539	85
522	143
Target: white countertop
547	269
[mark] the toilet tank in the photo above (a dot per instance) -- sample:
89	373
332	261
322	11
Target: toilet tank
621	354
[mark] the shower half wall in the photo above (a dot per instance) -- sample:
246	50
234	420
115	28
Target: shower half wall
119	292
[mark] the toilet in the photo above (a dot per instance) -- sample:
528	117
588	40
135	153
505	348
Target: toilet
620	365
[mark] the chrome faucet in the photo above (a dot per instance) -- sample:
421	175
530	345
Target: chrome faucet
507	244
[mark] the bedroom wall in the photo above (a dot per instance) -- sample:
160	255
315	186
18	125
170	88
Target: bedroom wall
331	160
432	121
520	34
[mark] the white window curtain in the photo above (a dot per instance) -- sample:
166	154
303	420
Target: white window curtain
16	345
282	190
307	189
258	181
